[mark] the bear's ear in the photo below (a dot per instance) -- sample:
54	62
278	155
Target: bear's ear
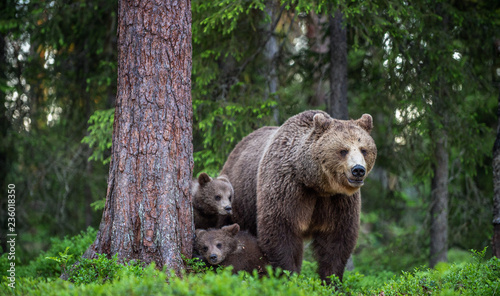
223	178
203	179
365	122
321	123
199	232
231	229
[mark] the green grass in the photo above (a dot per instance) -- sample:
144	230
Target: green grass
467	274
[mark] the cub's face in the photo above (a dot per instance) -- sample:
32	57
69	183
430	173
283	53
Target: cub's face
214	196
215	245
345	151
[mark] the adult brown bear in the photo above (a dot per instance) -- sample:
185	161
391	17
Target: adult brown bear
302	180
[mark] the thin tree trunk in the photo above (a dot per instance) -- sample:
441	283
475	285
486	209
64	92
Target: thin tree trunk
271	51
87	191
5	126
337	103
148	211
496	188
439	201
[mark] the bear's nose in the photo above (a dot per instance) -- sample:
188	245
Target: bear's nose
228	209
358	171
213	257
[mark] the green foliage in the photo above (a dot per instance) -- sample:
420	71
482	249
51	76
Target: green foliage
463	279
475	278
102	269
64	251
197	266
98	204
58	65
100	134
162	283
222	126
62	259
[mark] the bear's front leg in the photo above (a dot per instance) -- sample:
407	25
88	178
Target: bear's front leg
333	246
281	245
332	254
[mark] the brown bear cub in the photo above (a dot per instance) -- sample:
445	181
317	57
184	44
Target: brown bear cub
230	246
302	180
211	201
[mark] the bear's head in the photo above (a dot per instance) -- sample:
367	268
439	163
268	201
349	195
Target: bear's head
344	151
216	244
213	196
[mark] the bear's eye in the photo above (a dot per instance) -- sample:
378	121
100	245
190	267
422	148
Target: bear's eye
205	248
219	245
344	152
363	151
230	197
217	197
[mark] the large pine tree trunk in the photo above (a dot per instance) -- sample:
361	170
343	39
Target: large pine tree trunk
496	188
148	213
337	103
439	201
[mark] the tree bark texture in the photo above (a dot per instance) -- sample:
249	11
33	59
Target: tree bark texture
148	211
496	188
439	201
337	103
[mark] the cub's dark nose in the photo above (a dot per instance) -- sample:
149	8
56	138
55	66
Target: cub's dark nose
228	209
213	257
358	171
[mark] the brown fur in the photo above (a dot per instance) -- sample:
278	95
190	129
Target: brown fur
250	148
230	247
211	201
296	182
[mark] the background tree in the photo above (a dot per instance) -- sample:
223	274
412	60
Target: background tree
337	103
496	159
434	74
148	211
60	68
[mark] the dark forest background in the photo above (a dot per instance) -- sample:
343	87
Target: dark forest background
427	71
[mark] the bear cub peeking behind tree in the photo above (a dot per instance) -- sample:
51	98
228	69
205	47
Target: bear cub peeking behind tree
211	201
229	246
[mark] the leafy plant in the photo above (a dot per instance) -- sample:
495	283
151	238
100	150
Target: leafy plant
63	251
102	269
100	134
62	259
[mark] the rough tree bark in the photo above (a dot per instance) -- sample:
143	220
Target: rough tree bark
496	185
439	201
148	213
337	103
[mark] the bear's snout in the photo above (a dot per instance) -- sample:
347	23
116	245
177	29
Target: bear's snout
228	209
358	171
357	176
213	258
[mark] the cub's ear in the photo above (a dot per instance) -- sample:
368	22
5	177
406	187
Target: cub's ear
365	122
199	232
203	179
321	123
231	229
